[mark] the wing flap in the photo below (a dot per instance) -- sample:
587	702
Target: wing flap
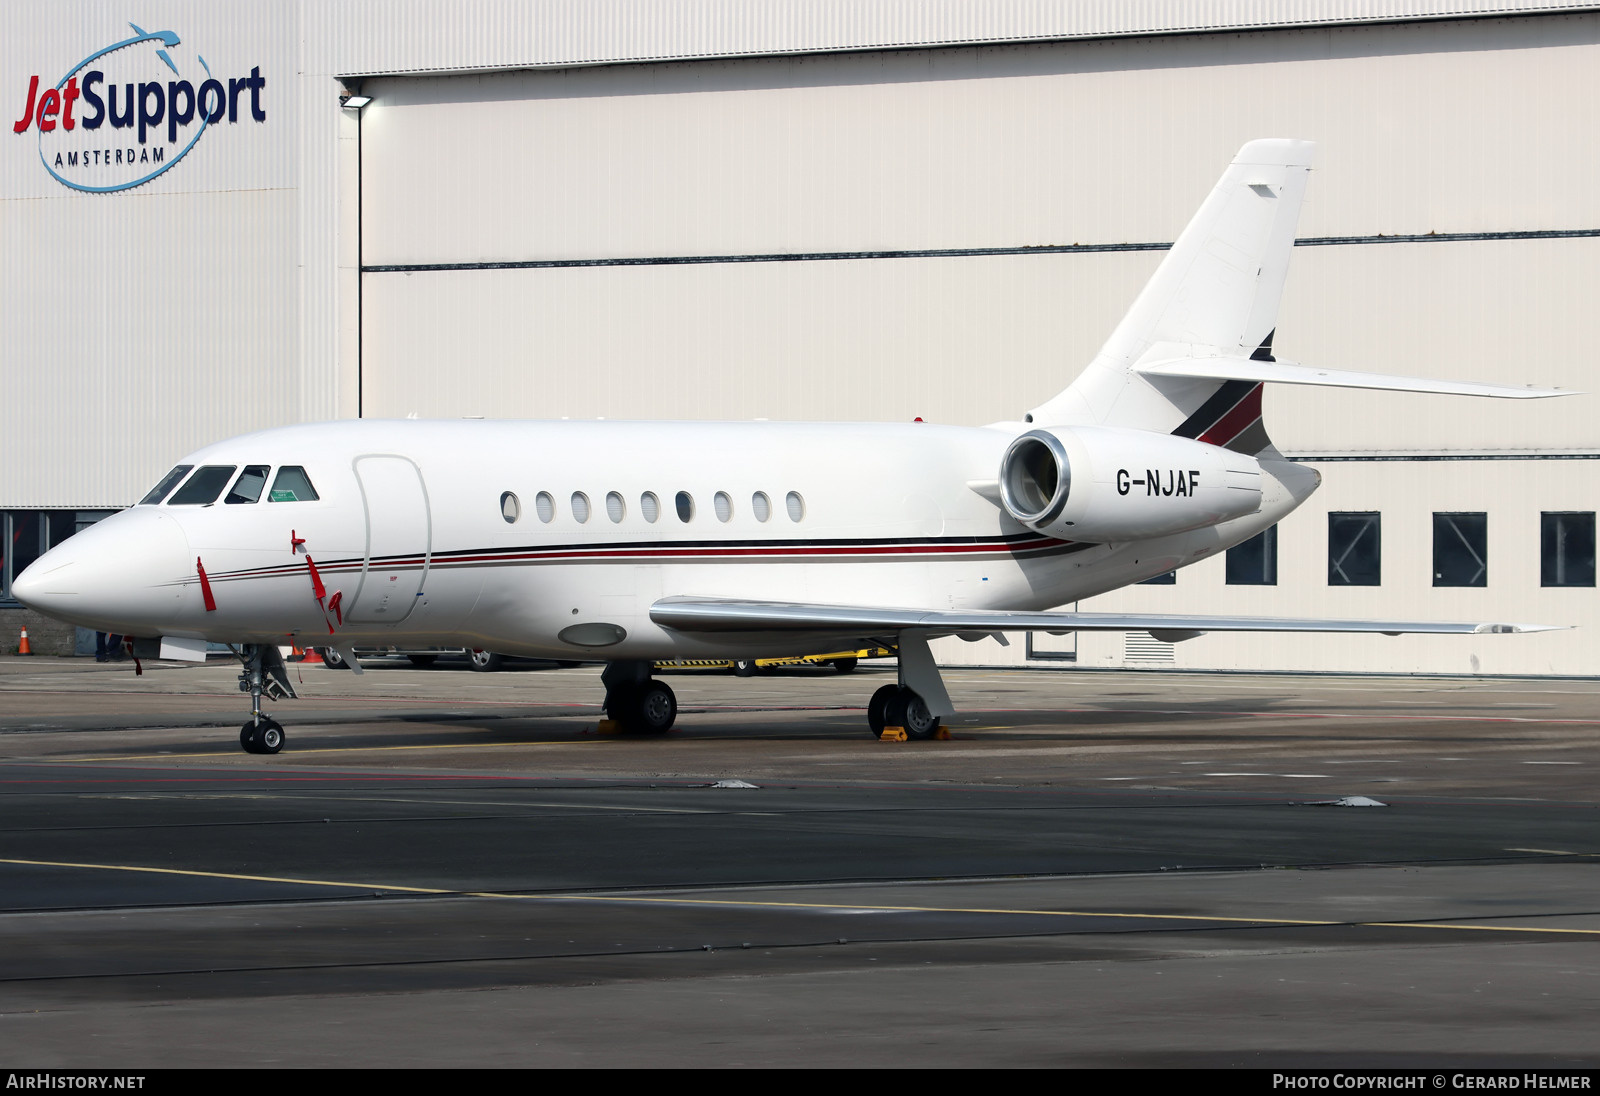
693	614
1228	368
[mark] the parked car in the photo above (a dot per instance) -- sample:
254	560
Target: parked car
478	659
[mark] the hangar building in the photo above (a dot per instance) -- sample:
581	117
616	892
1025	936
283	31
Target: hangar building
873	209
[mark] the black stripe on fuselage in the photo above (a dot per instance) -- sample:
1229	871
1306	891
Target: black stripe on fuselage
1222	401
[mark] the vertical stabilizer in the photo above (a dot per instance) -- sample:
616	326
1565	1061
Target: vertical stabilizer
1215	293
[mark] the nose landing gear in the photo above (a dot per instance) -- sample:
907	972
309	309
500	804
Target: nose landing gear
264	672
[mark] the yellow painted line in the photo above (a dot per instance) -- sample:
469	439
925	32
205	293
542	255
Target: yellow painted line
223	875
724	902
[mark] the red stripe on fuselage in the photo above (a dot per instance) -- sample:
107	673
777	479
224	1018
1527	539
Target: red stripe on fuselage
1236	421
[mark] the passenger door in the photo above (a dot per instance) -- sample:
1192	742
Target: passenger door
399	540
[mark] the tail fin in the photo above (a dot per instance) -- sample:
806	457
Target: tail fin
1215	295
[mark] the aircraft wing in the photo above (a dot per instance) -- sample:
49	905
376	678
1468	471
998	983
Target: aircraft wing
1284	372
694	614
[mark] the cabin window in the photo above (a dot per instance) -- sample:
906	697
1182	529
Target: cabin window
1461	549
545	506
1355	549
616	509
580	507
510	507
204	486
650	507
248	487
685	502
292	485
761	506
168	482
796	506
1255	562
723	505
1566	549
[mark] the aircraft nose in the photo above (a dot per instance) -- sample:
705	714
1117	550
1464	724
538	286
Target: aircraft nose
123	574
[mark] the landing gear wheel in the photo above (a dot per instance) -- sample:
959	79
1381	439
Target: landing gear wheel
744	667
844	665
651	708
486	661
878	708
265	737
907	709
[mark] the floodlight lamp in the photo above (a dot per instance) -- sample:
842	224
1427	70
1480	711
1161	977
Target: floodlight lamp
354	102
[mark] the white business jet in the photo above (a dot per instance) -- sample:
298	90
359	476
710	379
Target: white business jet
632	542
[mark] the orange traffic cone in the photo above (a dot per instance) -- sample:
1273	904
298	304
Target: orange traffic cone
313	657
23	648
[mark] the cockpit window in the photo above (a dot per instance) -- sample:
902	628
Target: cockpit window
292	485
248	486
204	486
168	482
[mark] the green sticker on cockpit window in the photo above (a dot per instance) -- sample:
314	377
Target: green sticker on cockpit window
284	496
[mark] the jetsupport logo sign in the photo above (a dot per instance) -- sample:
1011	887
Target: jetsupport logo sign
108	126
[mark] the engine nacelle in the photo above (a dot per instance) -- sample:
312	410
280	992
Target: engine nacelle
1104	485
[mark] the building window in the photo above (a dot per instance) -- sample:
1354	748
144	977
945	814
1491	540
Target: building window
1461	549
1168	579
1255	562
1355	549
1566	549
25	535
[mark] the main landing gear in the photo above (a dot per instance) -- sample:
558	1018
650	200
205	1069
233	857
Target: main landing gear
264	672
634	699
899	706
919	700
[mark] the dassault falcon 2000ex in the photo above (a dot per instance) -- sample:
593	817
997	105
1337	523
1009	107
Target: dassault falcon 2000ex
632	542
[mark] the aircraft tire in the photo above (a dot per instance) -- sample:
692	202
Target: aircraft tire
265	737
651	708
878	708
269	740
907	709
486	662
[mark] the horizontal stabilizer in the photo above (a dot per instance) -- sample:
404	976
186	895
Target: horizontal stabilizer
1279	372
690	614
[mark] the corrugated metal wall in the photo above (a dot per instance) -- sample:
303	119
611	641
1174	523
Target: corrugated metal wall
140	324
385	36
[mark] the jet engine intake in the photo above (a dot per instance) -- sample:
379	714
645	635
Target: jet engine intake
1103	485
